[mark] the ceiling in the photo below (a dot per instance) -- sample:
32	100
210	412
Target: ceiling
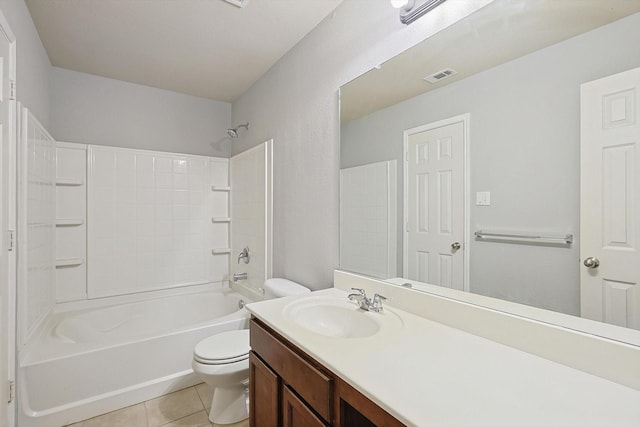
499	32
206	48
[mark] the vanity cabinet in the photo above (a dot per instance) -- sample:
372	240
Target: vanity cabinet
289	388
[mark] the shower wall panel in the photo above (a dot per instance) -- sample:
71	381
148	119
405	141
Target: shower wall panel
368	219
71	222
151	221
251	207
36	227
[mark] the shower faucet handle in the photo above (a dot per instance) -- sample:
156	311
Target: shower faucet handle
244	255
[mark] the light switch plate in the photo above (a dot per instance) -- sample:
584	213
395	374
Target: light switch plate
483	198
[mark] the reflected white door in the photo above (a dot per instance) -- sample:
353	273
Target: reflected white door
610	199
434	204
7	108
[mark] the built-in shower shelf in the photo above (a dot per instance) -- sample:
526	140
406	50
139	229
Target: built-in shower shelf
220	188
69	222
220	219
69	262
69	182
220	251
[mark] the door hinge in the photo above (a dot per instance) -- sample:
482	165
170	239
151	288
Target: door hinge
12	391
12	95
11	240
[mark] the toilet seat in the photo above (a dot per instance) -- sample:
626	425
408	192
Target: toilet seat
223	348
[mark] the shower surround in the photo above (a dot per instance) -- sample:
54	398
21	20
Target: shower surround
124	255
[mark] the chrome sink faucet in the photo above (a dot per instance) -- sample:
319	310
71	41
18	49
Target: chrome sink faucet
374	304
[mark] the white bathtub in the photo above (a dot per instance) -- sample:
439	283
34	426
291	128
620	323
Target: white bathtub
88	362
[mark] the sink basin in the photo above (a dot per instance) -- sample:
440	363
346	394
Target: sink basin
334	317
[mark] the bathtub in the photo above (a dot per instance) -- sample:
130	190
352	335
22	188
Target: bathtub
91	361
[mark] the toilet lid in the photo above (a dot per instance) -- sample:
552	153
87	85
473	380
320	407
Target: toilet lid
284	287
222	348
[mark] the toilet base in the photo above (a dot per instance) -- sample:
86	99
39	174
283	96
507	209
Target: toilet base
229	404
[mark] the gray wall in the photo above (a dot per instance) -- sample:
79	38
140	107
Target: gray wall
296	104
96	110
33	65
524	148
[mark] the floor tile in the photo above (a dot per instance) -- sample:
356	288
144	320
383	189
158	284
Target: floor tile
244	423
172	407
205	391
199	419
132	416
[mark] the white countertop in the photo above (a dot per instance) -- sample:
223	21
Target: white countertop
427	374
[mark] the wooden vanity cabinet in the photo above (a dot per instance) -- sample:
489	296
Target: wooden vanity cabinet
288	388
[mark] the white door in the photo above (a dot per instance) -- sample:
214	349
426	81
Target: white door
7	127
434	204
610	199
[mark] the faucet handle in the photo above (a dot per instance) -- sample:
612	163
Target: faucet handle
377	301
362	292
245	255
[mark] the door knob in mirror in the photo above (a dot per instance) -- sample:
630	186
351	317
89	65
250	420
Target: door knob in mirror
591	262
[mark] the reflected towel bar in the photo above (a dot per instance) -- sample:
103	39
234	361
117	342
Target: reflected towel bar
566	239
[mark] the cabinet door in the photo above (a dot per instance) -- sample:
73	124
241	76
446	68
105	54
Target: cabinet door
263	394
353	405
295	413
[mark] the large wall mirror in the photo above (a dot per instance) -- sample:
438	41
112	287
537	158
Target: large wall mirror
491	109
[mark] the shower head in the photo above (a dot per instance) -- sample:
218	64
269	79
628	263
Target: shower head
233	133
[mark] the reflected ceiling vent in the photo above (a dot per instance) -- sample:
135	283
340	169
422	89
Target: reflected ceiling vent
239	3
441	75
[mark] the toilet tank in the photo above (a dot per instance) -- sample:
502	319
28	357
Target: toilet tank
277	288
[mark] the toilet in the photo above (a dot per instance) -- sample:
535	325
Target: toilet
222	361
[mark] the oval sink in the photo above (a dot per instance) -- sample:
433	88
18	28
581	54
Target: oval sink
335	317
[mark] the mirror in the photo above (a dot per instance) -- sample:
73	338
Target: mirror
514	85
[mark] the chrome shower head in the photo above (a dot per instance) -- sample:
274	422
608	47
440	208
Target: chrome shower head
233	133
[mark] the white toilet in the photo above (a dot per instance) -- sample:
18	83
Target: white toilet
222	361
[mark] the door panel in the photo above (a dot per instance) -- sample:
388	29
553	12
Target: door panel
610	199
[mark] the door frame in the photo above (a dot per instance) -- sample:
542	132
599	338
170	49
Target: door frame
9	198
465	120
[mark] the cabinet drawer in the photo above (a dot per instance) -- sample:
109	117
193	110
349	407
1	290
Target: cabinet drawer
311	384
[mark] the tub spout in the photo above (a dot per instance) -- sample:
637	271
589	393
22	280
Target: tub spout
239	276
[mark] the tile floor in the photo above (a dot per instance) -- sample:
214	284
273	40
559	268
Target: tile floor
183	408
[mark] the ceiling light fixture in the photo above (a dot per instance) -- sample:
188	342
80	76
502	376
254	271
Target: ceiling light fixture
402	3
239	3
410	10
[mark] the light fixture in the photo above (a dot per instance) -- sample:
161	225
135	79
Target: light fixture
238	3
406	4
414	9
